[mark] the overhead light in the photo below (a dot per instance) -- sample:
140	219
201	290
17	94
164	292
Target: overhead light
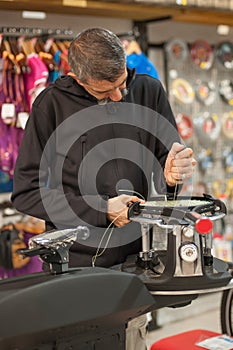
223	29
33	15
80	3
181	2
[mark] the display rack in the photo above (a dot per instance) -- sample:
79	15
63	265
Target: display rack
194	88
207	4
16	31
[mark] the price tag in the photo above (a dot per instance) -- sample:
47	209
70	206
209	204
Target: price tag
48	44
221	342
22	119
8	113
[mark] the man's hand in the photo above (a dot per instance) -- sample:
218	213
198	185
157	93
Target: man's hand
118	209
179	165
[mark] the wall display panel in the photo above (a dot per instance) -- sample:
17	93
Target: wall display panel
200	88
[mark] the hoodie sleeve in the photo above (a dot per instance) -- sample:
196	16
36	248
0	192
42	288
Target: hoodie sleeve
31	190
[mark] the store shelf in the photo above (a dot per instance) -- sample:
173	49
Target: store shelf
134	10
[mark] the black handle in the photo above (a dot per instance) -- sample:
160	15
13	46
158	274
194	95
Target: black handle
217	202
178	214
134	209
33	251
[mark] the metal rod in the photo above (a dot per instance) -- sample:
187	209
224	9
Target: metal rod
145	229
16	31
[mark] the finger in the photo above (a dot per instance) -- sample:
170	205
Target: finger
125	198
132	199
189	152
182	172
194	162
185	153
182	176
182	163
120	223
176	148
122	219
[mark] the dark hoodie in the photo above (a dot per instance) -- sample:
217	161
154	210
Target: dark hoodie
93	153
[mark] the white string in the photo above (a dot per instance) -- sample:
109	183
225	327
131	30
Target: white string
175	191
132	191
97	254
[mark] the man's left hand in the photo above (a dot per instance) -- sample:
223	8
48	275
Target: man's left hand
118	209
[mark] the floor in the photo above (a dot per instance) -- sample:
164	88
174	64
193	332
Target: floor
202	313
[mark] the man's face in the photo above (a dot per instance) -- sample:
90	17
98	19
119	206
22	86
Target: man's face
106	91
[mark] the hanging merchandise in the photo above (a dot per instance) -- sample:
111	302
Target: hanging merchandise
219	189
25	64
230	195
224	53
142	64
205	92
36	80
228	161
177	49
52	47
202	54
226	91
11	240
205	160
207	127
229	189
137	59
206	97
183	91
8	109
8	113
13	102
15	231
6	183
185	126
227	125
9	146
6	148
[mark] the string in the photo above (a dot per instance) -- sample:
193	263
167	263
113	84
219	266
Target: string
176	185
175	191
132	191
97	254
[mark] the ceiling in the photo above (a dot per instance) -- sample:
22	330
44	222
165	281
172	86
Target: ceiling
136	11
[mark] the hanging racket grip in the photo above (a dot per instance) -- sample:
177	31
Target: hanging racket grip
147	258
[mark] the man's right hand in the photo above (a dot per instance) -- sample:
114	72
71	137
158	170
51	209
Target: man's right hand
118	209
179	165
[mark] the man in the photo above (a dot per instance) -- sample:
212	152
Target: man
93	139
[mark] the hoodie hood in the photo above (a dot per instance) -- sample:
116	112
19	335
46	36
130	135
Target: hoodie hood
67	83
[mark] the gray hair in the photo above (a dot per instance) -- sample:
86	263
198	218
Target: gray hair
97	54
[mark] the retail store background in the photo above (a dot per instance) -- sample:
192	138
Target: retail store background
196	315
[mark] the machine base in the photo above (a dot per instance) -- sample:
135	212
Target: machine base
214	276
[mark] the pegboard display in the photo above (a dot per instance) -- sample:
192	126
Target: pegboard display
200	89
217	4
